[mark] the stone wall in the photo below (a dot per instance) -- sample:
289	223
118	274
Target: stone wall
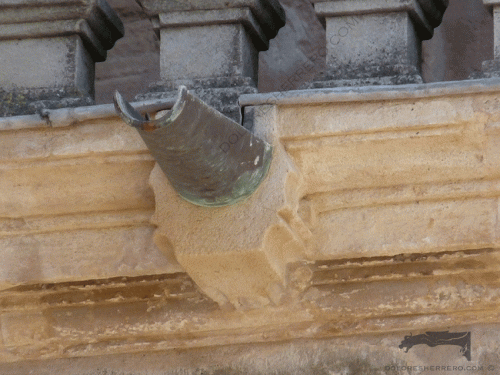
382	222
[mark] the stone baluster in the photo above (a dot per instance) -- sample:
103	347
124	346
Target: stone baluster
48	50
212	47
375	42
491	68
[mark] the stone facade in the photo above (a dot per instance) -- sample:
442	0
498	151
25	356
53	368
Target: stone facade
376	226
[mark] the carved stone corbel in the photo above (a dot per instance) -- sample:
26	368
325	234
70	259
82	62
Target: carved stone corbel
237	254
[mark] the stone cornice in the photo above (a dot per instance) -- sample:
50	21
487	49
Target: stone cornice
379	214
373	93
327	299
427	13
69	116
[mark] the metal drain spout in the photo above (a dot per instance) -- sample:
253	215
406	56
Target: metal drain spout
209	159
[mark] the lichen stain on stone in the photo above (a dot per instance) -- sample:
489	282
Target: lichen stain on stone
22	101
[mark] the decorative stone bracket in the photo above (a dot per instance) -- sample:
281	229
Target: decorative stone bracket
48	50
242	230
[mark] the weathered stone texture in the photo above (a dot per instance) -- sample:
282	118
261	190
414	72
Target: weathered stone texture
75	203
380	219
360	355
380	214
459	46
375	42
48	51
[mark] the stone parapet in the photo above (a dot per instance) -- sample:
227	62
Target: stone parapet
375	42
48	50
212	47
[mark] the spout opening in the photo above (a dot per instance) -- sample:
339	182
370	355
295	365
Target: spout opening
128	114
174	113
133	118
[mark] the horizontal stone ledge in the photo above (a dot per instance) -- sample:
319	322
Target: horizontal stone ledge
69	116
27	225
399	267
136	314
419	227
153	288
108	140
392	195
82	254
86	184
65	117
372	93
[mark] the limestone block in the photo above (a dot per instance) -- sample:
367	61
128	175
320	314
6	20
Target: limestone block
407	228
375	41
48	51
353	50
234	56
383	177
76	203
55	253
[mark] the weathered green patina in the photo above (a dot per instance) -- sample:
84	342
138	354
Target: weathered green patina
209	159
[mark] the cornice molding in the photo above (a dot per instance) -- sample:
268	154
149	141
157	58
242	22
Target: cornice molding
378	215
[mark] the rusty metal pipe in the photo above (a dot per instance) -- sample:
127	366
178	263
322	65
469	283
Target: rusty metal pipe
209	159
